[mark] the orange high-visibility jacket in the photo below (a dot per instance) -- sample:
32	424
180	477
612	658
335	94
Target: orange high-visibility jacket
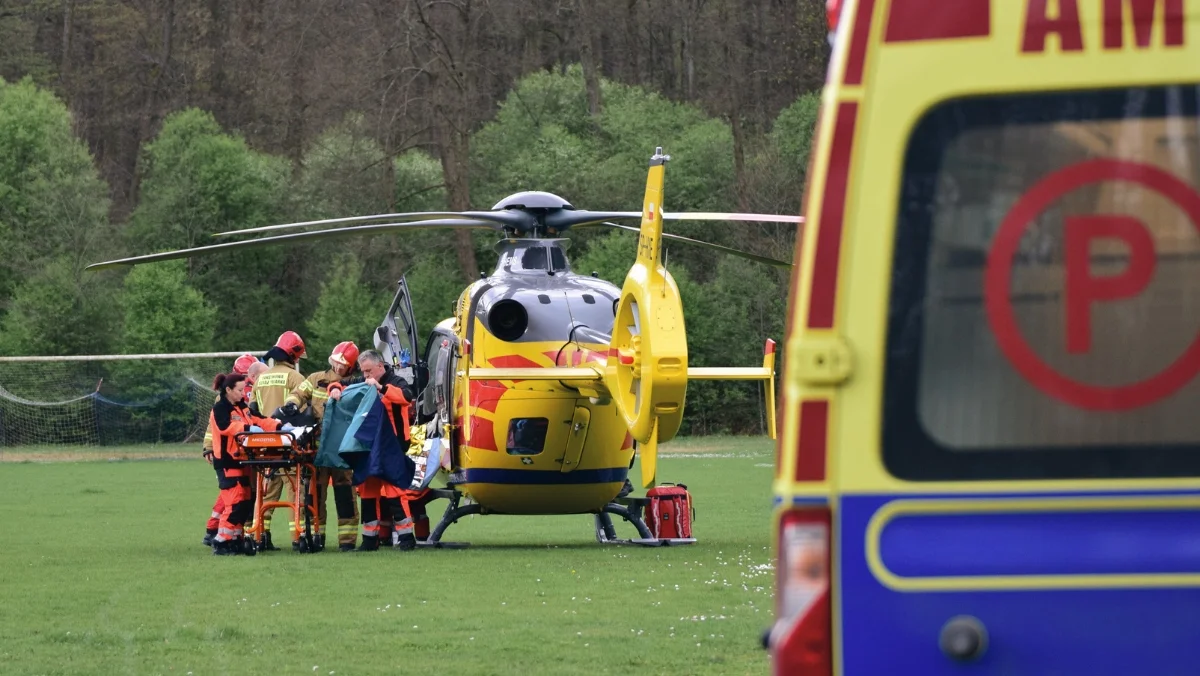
226	421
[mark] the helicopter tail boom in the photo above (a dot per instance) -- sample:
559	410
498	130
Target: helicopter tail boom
593	379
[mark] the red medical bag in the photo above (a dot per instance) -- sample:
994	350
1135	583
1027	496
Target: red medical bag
669	513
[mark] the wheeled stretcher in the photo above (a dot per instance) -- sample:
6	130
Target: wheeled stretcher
268	453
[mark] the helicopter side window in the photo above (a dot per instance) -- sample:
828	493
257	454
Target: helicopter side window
558	258
527	436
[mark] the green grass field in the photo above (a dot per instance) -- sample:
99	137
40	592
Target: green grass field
103	572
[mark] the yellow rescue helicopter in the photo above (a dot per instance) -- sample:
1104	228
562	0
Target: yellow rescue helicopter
544	379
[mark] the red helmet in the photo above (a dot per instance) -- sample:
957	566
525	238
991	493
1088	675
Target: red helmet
241	365
290	342
344	354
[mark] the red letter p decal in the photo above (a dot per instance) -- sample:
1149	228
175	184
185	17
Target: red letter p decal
1082	289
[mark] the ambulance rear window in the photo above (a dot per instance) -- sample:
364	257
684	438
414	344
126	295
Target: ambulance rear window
1044	318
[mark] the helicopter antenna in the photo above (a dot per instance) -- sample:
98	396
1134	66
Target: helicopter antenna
571	316
666	250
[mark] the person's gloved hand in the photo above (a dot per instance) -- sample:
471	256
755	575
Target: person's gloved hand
287	427
256	428
289	409
208	455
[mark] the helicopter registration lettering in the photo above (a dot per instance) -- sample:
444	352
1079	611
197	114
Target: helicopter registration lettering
1118	18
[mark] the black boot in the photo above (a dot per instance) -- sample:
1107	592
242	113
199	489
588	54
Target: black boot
209	537
321	542
346	547
370	543
267	545
405	543
224	548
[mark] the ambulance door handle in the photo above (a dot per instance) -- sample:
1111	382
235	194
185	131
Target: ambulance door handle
821	360
963	638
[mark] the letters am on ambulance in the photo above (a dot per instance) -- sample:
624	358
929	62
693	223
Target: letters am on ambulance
1081	289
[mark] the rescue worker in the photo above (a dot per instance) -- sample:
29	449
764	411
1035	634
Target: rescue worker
241	366
270	392
230	415
256	370
380	499
313	393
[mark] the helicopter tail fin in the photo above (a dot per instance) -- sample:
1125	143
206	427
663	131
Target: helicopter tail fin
650	232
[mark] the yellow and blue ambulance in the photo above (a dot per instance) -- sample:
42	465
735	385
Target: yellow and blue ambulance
989	460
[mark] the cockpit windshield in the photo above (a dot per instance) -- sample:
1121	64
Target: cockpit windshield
533	256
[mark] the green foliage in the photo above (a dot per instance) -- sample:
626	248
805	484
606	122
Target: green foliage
728	322
779	167
609	255
163	313
345	173
544	139
435	288
197	181
347	309
59	311
792	134
52	201
420	185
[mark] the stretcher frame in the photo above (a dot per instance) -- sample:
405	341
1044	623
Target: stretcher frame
265	453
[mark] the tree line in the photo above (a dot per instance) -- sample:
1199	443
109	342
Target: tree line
213	164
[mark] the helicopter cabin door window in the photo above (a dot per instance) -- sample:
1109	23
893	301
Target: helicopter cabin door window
527	436
397	337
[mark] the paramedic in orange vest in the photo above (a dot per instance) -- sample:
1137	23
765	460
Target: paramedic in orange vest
380	499
230	415
270	392
241	366
313	393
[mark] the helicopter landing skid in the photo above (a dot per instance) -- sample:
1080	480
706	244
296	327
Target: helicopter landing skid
630	509
453	513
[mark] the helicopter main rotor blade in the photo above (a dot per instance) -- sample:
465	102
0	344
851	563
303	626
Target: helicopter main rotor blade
721	216
498	218
566	219
377	229
707	245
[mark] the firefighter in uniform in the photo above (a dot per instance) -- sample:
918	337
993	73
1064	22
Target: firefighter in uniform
230	415
270	393
241	366
313	393
381	501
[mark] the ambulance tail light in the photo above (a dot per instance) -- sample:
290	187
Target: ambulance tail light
801	641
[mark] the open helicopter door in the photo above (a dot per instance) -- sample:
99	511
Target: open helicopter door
396	338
